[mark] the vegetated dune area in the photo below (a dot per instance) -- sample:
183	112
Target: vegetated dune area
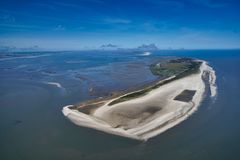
147	112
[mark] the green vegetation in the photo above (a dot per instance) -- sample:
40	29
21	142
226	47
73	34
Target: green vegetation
172	67
179	67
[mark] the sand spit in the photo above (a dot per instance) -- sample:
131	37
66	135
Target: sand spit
24	57
146	54
58	85
147	116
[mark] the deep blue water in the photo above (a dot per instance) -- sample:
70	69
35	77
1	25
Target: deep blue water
33	127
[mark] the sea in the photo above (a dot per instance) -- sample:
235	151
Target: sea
34	87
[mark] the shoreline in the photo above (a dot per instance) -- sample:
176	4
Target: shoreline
104	117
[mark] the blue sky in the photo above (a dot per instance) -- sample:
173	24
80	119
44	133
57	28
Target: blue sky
86	24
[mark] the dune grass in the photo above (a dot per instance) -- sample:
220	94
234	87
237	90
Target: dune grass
179	68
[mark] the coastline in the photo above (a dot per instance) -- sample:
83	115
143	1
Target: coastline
166	118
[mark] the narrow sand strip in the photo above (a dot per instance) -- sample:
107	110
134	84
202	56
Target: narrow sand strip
58	85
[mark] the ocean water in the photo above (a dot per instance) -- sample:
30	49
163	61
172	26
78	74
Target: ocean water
35	86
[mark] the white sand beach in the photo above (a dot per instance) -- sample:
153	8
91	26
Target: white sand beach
149	115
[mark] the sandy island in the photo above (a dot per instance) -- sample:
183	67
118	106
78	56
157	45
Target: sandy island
144	117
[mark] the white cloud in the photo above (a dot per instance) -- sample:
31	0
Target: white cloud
117	20
210	3
7	18
59	28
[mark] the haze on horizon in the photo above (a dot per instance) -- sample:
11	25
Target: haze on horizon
88	24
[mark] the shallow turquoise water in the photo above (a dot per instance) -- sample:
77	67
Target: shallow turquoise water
33	127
